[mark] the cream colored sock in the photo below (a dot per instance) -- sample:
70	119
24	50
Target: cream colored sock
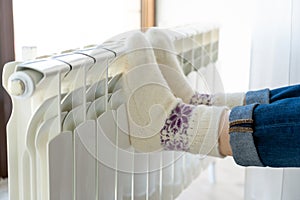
169	65
157	120
219	99
166	58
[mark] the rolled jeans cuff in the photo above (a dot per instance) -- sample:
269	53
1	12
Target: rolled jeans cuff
260	97
241	136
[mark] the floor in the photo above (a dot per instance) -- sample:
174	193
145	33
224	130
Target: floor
3	189
229	184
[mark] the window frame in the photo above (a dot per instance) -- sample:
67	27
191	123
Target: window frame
7	54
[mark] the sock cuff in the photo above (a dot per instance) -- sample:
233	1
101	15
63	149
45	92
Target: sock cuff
231	99
152	143
205	128
201	99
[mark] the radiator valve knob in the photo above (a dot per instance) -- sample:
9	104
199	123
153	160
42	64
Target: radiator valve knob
20	85
16	87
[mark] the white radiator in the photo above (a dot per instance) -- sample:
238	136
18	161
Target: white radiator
61	107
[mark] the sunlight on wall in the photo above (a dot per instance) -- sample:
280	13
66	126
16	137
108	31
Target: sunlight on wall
234	17
56	25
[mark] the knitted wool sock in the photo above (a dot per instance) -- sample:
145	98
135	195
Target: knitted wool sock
157	120
219	99
166	58
169	65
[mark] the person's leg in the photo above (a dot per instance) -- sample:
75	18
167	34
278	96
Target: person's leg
284	92
277	132
267	96
266	134
166	58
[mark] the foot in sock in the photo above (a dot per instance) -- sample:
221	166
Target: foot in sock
166	58
157	119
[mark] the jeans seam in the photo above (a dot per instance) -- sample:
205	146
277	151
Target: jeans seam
275	126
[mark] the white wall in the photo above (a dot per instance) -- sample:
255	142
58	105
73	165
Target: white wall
56	25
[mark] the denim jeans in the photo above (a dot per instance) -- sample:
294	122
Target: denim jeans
266	132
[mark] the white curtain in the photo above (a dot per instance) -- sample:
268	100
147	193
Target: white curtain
275	62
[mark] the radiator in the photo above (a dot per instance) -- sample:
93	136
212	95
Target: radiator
63	103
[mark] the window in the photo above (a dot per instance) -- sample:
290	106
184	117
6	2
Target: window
56	25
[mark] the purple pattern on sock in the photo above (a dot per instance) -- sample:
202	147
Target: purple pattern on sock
173	135
201	99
